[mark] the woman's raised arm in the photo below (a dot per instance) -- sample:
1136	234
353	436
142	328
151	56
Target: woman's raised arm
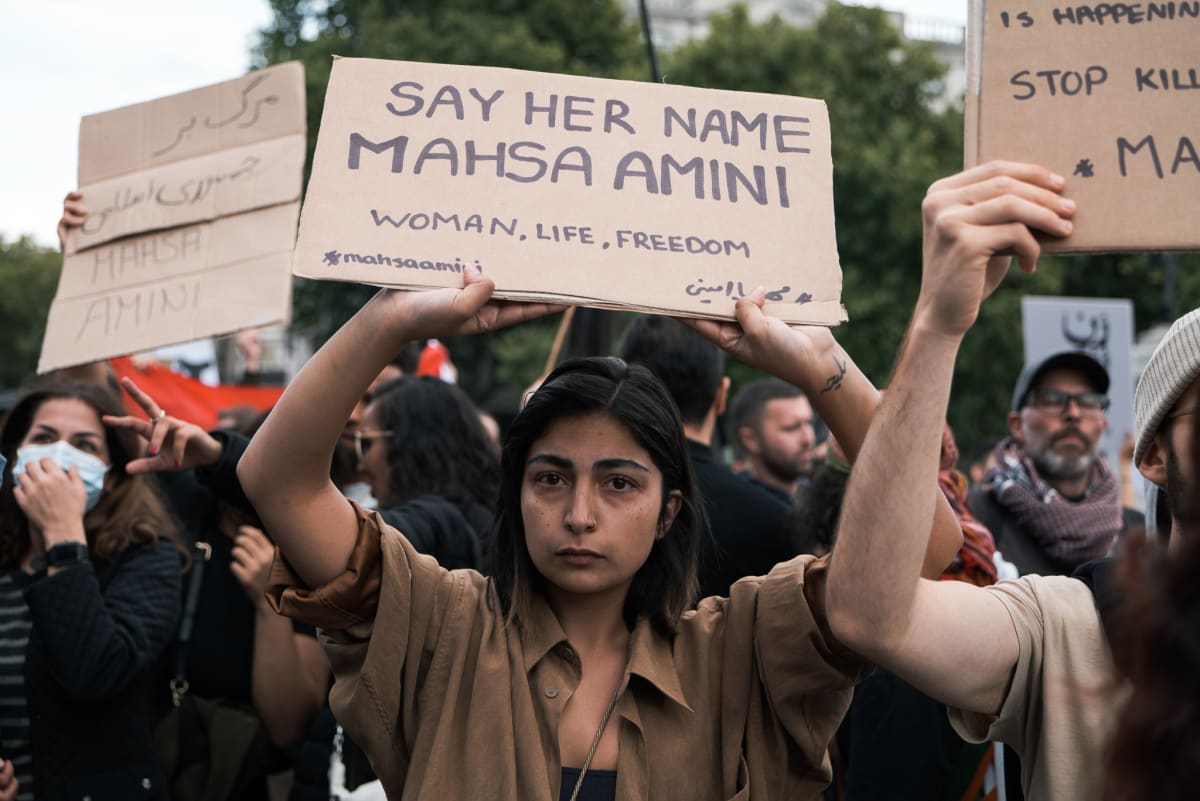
285	470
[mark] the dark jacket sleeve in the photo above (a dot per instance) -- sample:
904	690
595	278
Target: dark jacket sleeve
222	477
98	640
436	527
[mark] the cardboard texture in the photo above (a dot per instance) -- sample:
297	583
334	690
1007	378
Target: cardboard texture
193	204
199	155
1106	94
172	286
581	190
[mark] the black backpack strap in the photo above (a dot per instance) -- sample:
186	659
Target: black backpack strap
193	740
1100	577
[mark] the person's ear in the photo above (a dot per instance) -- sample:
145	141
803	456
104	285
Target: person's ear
671	507
748	439
1153	464
1015	427
722	400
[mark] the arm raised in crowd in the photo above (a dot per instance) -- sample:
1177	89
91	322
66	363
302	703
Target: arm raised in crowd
285	471
810	358
952	640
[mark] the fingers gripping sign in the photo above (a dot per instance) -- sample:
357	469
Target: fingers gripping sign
74	213
173	444
444	313
975	222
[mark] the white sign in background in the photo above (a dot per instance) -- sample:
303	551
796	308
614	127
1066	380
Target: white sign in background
1101	328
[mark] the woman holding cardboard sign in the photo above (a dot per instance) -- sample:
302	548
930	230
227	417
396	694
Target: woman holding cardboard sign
573	672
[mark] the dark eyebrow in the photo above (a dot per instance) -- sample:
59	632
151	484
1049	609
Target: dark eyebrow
48	428
551	459
601	464
613	464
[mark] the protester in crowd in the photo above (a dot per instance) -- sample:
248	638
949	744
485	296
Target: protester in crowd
773	435
90	568
432	467
522	685
347	468
1156	751
745	529
1025	662
1049	499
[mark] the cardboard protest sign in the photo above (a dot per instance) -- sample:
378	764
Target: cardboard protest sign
195	156
580	190
193	204
1103	93
1101	328
172	286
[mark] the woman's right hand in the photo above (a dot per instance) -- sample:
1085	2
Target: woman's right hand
174	444
8	781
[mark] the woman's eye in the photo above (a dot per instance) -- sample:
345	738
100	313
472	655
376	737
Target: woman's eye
41	437
548	479
620	483
87	446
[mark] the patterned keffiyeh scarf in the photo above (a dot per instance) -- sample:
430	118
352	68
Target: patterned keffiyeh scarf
974	561
1070	532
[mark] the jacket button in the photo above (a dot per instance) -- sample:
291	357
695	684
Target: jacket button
567	653
146	784
551	692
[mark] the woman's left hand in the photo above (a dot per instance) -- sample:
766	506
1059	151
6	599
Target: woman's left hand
798	354
53	500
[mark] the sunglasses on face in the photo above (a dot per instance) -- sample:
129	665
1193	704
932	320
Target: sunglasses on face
1053	401
363	440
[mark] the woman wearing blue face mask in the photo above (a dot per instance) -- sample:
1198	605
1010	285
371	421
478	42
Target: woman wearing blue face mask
89	601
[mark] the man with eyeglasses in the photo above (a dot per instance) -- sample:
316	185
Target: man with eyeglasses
1049	499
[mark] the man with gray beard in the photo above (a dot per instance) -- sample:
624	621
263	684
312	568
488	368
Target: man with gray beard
1049	500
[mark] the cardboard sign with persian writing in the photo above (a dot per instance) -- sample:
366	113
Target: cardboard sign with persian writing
1106	94
193	202
580	190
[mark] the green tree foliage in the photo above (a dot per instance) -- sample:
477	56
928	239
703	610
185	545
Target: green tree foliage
28	277
587	37
890	141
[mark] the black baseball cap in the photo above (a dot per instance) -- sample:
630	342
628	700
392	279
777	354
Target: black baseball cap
1093	370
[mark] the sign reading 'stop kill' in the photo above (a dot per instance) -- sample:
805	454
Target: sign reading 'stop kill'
579	190
1106	94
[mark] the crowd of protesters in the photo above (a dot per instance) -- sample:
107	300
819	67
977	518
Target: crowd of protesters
371	592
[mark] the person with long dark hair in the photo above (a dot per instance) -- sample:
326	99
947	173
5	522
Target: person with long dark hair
89	597
575	671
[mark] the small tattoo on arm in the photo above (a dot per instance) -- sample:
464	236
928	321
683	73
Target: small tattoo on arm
835	381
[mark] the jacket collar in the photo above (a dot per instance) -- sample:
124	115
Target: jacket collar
650	655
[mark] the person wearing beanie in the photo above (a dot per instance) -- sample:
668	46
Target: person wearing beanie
1027	662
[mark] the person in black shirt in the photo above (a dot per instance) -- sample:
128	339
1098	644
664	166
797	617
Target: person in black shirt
747	530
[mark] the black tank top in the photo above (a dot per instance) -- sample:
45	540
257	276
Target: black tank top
598	785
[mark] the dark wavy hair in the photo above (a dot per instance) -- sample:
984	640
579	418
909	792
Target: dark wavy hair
1156	750
438	446
131	510
665	585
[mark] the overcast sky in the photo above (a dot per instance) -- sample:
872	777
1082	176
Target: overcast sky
62	59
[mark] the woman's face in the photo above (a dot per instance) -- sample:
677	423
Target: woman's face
591	501
374	464
71	420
